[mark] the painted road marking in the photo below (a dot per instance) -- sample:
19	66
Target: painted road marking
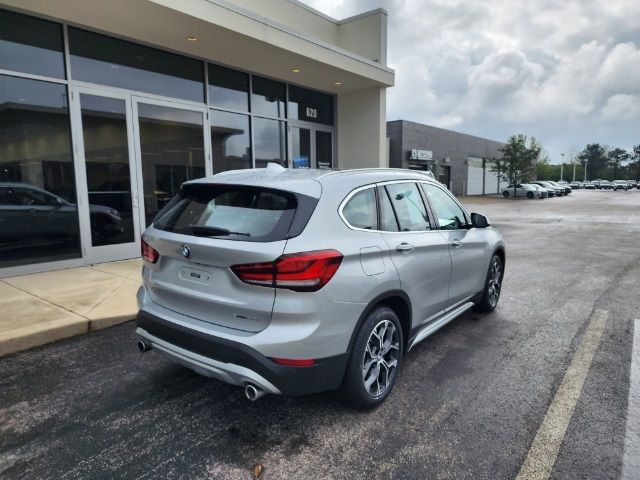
544	449
631	461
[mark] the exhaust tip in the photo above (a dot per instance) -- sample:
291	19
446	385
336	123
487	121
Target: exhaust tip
143	347
252	392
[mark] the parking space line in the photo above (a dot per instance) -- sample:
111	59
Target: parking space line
546	444
631	459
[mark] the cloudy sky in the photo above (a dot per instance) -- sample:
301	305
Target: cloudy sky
566	72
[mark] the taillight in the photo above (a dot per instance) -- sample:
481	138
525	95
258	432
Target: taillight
300	272
149	253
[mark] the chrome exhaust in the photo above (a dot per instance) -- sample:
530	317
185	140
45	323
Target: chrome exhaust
143	347
253	393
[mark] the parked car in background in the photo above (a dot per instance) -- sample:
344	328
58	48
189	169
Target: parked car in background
565	186
520	190
603	184
300	281
557	191
542	192
576	185
562	182
620	185
589	186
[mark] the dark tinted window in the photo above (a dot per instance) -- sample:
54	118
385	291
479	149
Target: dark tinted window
409	207
253	214
228	88
388	221
31	45
270	142
360	210
324	154
450	216
36	174
310	106
109	61
267	97
230	141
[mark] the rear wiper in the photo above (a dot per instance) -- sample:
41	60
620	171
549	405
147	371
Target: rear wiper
204	231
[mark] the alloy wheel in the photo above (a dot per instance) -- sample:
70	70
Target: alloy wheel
495	278
380	360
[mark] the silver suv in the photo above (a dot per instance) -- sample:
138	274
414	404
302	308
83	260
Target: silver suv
300	281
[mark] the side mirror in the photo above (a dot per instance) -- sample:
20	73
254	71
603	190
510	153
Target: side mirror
479	221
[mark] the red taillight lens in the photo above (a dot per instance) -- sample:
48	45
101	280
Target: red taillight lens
149	253
301	272
292	362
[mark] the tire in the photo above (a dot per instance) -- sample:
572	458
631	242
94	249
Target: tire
491	296
505	194
366	363
529	194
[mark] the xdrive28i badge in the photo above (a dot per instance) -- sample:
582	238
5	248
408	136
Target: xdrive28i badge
185	250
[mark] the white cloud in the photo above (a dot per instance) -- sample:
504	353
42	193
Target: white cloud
566	72
622	108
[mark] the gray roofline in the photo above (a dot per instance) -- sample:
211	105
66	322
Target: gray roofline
447	130
301	36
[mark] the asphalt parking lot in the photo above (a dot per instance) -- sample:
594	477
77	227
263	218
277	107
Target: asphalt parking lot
484	398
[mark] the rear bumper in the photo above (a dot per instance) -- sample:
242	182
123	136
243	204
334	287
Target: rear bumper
236	363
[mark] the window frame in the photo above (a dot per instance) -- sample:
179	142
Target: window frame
433	225
467	217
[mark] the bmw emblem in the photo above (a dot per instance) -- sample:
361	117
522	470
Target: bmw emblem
185	250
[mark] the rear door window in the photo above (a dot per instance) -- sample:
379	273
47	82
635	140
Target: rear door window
409	208
229	212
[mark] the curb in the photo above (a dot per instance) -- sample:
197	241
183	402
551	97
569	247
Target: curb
22	339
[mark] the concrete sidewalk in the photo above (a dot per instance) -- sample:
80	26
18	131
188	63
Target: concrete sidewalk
44	307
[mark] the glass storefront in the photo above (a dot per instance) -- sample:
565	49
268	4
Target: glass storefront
109	61
106	153
144	121
172	152
230	141
38	211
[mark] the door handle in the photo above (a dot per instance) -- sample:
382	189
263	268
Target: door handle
405	247
455	243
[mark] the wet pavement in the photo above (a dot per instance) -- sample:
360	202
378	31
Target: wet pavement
469	403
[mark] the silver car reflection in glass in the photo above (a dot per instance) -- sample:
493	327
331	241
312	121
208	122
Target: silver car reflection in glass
301	281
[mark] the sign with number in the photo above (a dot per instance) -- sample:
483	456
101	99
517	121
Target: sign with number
311	112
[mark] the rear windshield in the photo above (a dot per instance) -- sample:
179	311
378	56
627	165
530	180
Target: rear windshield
229	212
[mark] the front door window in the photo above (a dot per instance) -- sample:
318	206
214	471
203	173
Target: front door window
300	147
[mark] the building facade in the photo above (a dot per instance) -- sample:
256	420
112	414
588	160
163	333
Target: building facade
462	162
106	107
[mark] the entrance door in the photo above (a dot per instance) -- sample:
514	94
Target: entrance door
108	197
170	146
311	147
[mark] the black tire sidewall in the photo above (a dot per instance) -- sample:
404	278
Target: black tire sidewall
353	384
484	305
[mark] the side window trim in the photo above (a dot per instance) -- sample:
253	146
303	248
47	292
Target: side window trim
348	198
382	190
446	192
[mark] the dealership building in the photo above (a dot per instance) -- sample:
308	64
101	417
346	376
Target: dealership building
462	162
106	107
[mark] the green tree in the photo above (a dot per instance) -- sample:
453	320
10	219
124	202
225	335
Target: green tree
634	166
546	171
595	160
518	161
617	157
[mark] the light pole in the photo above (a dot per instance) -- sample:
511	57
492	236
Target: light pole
561	166
573	160
585	169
